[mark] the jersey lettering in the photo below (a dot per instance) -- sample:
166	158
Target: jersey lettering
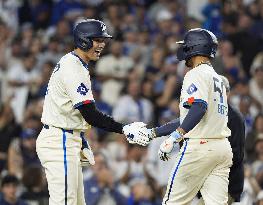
218	88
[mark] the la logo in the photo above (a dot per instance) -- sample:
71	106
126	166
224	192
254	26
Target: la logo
103	26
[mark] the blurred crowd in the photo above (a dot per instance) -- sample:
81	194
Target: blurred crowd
138	78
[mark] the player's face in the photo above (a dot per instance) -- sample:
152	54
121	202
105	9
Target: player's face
98	46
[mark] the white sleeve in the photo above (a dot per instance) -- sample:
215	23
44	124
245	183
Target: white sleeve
77	83
195	89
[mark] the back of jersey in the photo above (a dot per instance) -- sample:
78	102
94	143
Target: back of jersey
202	84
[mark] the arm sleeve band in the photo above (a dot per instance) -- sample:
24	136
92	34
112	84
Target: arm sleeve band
98	119
167	128
194	116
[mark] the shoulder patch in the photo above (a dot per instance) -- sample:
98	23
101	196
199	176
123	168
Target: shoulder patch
191	89
82	89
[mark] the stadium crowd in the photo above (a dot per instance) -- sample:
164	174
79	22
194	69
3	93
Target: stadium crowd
138	78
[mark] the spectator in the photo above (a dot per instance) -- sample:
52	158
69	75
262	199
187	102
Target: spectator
65	8
101	105
252	138
256	83
244	107
134	165
260	198
101	189
36	187
155	165
42	83
22	152
21	79
232	64
112	70
251	187
243	42
257	165
213	18
9	129
53	51
9	189
140	109
141	194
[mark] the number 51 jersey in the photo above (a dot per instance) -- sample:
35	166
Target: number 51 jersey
203	84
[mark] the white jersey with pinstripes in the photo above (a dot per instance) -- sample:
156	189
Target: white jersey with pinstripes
69	87
203	84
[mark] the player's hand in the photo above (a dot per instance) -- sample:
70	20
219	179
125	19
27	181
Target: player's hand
167	146
88	157
149	133
136	133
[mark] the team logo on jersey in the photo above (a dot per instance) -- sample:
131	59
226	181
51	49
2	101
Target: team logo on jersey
82	89
192	88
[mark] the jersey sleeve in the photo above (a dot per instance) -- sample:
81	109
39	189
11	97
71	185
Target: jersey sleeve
195	89
76	80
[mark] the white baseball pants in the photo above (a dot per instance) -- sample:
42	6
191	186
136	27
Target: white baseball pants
59	153
202	164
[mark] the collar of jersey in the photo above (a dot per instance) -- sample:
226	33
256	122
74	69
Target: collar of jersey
82	61
206	63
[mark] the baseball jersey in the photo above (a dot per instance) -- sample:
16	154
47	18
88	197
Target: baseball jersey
69	87
203	84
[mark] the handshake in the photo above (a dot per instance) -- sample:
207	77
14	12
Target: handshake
137	133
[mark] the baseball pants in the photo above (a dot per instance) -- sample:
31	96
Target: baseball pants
201	164
59	153
230	201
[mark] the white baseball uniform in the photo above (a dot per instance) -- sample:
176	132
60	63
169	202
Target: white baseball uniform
204	160
59	143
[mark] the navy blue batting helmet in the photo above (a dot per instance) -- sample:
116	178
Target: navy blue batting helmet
197	42
85	30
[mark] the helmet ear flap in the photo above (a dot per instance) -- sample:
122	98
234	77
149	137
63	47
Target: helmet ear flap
86	44
181	53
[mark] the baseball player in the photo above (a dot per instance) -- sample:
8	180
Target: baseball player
205	157
69	109
237	141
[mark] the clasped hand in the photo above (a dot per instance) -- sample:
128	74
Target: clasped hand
137	133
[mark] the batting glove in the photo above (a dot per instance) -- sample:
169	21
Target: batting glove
167	146
136	133
87	153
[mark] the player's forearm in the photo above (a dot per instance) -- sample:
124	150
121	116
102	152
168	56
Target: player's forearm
167	128
193	117
98	119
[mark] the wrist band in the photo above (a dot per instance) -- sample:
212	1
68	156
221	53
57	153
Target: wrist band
153	132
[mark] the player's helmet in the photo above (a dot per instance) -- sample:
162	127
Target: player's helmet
197	42
84	31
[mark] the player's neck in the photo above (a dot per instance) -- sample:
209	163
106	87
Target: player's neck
198	60
82	55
